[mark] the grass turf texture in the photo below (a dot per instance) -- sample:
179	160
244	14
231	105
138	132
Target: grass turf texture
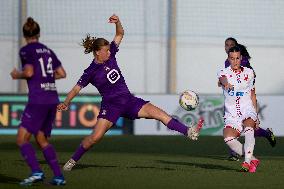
149	162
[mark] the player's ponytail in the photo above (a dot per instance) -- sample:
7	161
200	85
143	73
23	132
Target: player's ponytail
31	28
92	44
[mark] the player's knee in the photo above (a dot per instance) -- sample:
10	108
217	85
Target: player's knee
42	144
20	140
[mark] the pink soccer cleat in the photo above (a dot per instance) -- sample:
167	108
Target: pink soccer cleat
253	165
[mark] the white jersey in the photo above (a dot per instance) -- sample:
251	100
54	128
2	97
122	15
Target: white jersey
238	103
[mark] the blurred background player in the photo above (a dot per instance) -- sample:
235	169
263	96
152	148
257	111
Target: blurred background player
40	67
240	108
117	100
245	62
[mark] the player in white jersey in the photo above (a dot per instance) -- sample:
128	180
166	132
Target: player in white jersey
240	108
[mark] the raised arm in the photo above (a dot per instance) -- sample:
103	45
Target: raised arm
119	32
27	72
64	105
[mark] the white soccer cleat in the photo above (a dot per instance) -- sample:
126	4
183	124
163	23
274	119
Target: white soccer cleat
69	165
194	131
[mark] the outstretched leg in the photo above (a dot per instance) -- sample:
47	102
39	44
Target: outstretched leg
152	112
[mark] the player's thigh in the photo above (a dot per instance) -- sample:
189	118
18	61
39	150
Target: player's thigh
23	136
152	112
249	123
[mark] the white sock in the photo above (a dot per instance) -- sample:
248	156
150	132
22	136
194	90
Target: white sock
249	143
234	145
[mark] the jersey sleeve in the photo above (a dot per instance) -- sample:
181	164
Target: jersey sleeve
55	61
26	57
252	80
85	78
221	73
113	49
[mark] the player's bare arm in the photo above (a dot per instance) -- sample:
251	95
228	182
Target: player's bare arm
118	28
64	105
27	72
59	73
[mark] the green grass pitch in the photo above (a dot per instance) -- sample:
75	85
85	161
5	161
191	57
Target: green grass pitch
149	162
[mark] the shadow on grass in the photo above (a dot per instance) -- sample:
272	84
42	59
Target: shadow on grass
198	165
8	179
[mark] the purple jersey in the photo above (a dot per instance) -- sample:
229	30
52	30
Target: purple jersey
245	63
106	77
42	89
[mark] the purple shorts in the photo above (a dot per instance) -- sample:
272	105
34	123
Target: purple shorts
38	117
127	106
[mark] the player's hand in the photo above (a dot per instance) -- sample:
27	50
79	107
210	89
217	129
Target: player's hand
113	19
14	73
62	107
228	86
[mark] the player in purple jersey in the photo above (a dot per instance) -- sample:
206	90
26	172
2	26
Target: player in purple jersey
259	132
117	100
40	67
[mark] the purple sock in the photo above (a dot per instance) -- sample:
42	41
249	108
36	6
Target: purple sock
177	126
79	153
50	156
29	156
260	132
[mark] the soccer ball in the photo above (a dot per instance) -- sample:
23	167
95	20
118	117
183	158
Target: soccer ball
188	100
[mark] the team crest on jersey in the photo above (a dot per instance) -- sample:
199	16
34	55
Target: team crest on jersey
246	77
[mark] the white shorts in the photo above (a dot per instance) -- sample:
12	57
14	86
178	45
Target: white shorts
236	122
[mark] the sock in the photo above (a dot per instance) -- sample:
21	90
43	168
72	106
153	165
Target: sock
29	156
50	156
260	132
79	153
177	126
234	145
249	143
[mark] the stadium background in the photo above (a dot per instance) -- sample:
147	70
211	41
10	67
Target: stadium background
169	46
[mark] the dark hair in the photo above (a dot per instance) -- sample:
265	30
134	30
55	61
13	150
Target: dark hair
92	44
243	49
31	28
232	39
234	49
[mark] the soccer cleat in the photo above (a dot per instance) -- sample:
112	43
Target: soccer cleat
253	165
33	178
245	167
58	181
69	165
194	131
271	137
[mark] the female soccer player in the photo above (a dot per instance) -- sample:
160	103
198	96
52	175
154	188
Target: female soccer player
240	108
40	67
117	101
245	62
